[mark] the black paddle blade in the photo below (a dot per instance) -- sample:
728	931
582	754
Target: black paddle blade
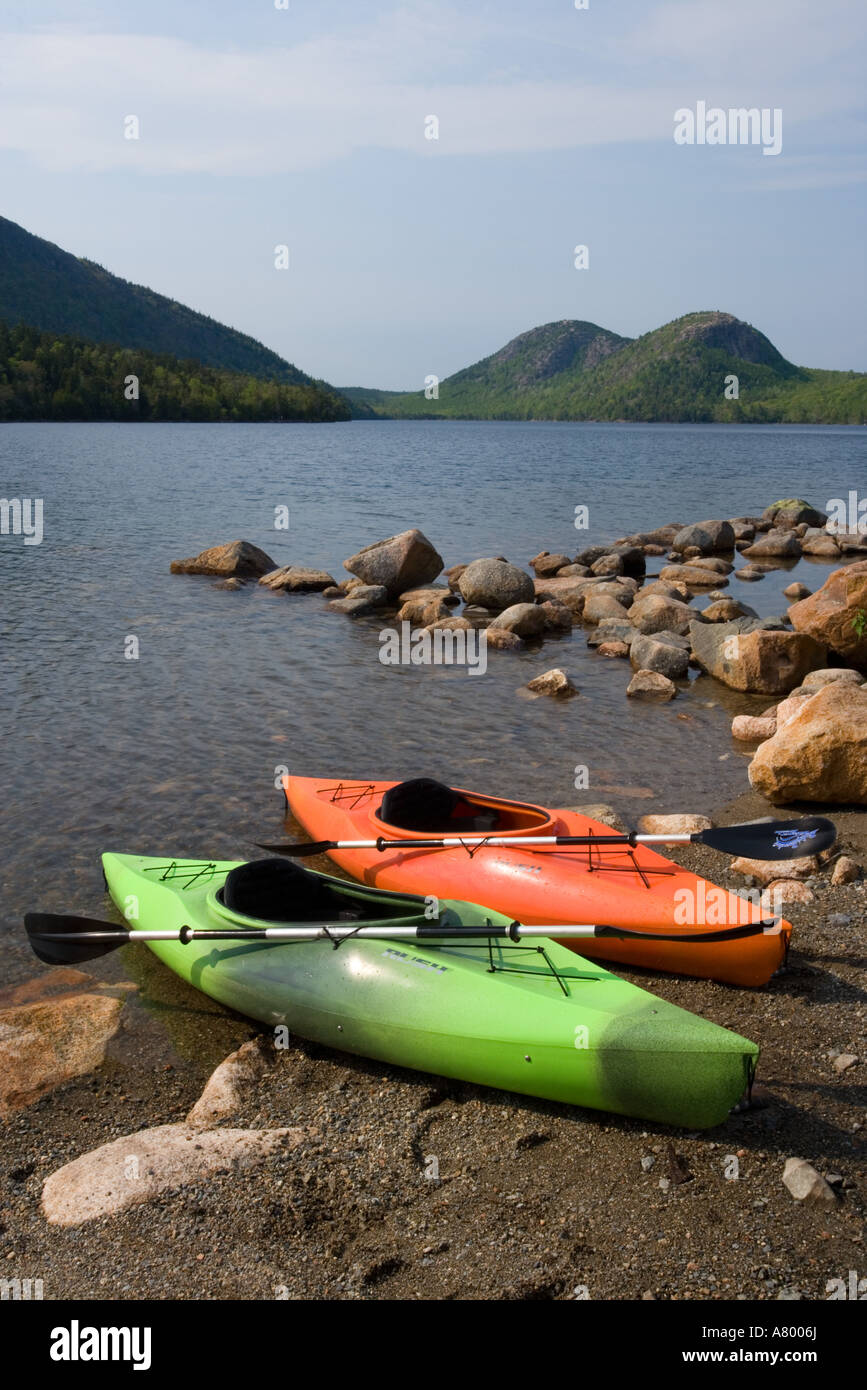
702	938
53	937
775	839
299	851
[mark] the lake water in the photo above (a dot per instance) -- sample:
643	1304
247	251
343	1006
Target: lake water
177	752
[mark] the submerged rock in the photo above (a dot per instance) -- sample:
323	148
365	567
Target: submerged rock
499	640
820	545
297	579
611	630
650	685
49	1038
776	545
558	617
363	598
693	576
554	682
423	612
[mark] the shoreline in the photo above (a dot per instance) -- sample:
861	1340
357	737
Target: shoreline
534	1199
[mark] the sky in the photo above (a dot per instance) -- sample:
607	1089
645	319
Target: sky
305	126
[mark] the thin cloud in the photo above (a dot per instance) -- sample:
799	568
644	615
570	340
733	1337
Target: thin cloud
64	94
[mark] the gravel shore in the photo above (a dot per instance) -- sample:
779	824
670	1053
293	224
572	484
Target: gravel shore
409	1186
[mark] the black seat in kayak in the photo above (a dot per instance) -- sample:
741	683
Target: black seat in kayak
427	805
276	891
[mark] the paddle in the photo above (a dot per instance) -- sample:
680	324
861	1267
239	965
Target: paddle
60	940
780	839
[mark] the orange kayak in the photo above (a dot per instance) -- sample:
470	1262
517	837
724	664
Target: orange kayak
605	884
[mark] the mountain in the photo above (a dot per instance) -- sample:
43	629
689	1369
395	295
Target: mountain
50	289
573	370
46	376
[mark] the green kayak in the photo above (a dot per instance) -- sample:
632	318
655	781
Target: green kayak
537	1018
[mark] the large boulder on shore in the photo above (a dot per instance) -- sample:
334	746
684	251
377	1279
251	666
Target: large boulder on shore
240	558
836	614
758	655
398	563
820	754
495	584
706	536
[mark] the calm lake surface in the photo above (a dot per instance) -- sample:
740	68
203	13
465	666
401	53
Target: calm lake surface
177	752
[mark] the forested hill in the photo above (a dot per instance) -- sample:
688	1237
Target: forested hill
686	370
44	376
42	285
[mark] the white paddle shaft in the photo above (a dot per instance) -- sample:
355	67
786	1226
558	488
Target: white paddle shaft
511	841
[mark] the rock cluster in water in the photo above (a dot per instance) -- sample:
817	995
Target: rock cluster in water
810	747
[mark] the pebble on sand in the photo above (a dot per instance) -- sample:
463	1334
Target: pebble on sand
805	1184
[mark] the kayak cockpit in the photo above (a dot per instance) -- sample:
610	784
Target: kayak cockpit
275	890
423	806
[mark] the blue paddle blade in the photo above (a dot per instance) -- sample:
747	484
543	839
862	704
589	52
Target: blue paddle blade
777	839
